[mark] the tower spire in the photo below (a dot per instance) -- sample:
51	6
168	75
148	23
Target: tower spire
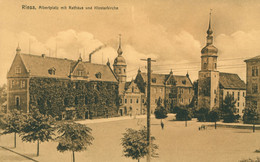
210	31
80	58
119	51
18	49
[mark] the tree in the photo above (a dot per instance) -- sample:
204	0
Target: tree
202	114
135	144
12	123
37	127
160	112
228	109
3	97
213	116
74	137
250	116
184	114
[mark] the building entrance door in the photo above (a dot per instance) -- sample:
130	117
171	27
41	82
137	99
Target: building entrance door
121	112
86	115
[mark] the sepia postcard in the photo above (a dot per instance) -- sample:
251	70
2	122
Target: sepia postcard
129	80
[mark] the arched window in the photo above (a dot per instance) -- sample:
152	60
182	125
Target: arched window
86	100
205	65
76	100
215	65
66	101
96	100
17	101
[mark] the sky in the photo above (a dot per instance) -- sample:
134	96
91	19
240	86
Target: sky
172	32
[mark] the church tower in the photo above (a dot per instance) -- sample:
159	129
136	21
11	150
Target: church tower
208	87
120	68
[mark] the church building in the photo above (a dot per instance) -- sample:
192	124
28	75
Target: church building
213	85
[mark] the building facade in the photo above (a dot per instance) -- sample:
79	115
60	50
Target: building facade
131	99
174	90
213	85
253	83
61	87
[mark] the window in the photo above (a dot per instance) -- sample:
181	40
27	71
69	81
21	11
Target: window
22	84
66	101
80	73
17	101
189	90
184	82
130	100
215	100
51	71
237	104
143	100
233	94
124	70
125	100
98	75
18	70
215	92
12	83
96	100
133	89
243	94
119	71
154	80
76	100
182	100
215	65
137	100
254	71
238	96
205	65
254	88
227	93
86	100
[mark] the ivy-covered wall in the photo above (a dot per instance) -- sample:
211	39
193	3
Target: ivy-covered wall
53	96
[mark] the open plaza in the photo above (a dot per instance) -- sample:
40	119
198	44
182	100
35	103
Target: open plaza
176	143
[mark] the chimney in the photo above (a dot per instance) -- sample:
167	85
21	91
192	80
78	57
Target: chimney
43	55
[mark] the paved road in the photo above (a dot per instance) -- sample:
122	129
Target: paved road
176	143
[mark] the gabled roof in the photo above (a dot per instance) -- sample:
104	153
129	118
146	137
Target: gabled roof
160	78
181	81
131	84
127	84
231	81
256	58
38	66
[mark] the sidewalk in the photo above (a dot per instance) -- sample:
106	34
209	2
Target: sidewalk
102	120
234	125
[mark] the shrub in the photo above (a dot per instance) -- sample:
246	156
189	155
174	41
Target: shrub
202	114
184	114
